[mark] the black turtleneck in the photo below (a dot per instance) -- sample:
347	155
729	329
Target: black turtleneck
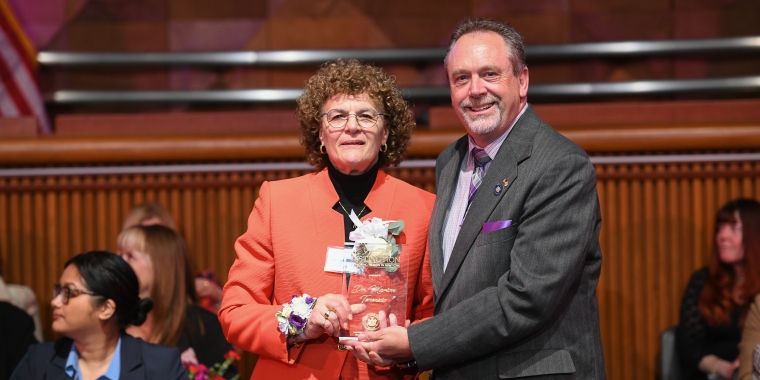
352	191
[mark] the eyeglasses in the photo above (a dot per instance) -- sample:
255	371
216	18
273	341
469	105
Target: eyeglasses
366	118
68	293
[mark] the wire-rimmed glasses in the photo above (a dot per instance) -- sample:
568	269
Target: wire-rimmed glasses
366	118
68	293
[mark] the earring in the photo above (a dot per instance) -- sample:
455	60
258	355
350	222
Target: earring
384	148
322	149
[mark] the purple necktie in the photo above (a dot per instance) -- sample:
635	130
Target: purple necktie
480	158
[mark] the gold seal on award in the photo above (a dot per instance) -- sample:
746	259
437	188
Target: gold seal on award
371	322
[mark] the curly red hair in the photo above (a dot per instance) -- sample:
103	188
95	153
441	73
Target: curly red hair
352	77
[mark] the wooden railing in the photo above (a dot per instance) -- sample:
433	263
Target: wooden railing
659	191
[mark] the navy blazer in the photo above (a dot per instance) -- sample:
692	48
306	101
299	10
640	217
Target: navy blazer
139	360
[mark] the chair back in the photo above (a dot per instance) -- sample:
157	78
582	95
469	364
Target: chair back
669	366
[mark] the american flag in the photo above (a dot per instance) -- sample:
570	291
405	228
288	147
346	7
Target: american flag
19	93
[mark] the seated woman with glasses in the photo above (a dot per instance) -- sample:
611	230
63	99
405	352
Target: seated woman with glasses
95	301
354	122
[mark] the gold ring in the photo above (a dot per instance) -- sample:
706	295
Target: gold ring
327	314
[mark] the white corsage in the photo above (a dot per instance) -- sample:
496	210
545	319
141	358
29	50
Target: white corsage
294	314
376	243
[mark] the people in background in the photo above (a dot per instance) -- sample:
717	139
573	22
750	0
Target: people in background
148	214
353	122
717	298
97	297
206	285
16	335
23	297
159	257
749	347
747	234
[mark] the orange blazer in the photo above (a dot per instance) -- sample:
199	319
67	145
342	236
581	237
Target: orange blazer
283	253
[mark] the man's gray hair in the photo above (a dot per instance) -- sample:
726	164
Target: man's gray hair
513	39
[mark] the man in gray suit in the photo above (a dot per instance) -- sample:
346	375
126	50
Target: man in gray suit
514	236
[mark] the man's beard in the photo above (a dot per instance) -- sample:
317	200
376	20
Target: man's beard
483	124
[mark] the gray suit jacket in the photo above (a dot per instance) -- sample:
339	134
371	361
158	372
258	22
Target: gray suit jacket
520	301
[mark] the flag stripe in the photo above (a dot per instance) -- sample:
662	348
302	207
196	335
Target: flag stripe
9	74
7	106
17	36
16	72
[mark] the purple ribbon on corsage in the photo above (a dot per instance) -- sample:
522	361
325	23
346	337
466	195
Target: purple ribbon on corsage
497	225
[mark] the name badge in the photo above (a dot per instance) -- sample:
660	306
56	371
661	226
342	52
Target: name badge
340	260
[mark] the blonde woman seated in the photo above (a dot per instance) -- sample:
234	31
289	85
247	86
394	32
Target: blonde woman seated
159	257
207	288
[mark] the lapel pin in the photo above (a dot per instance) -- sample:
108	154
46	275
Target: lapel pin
505	182
497	190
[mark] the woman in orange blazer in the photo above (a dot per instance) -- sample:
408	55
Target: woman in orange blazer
353	121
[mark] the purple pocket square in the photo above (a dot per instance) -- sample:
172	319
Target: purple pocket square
494	226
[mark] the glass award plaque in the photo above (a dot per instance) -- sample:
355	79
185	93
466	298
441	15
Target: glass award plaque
375	278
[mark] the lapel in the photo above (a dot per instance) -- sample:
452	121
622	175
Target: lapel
515	149
61	354
328	224
446	186
131	359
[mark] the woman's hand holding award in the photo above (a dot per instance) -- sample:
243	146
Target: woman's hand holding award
375	276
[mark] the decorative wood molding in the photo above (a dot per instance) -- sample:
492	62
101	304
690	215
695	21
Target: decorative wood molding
74	150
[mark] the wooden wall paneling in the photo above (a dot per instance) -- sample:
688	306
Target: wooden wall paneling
114	215
660	231
657	229
125	203
649	279
101	215
200	239
88	212
4	230
709	208
52	251
679	241
174	203
746	183
697	190
211	219
77	232
28	230
236	220
639	278
605	287
14	250
224	244
163	194
626	272
65	226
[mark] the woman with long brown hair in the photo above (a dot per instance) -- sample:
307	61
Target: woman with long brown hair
717	298
159	257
